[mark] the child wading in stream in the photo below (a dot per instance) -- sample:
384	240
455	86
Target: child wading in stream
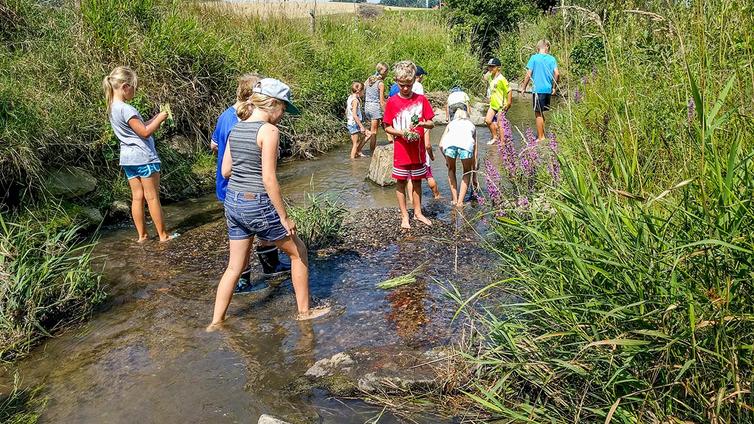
266	252
138	155
355	118
407	115
459	142
253	203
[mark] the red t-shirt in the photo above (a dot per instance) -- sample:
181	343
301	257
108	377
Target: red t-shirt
398	114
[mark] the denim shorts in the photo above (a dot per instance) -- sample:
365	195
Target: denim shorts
252	214
141	171
454	152
353	128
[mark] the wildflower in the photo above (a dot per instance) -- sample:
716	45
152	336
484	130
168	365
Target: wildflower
500	213
577	97
690	110
554	165
508	158
480	200
523	202
493	181
530	155
505	127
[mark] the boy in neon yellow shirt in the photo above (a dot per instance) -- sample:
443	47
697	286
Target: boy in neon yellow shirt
499	94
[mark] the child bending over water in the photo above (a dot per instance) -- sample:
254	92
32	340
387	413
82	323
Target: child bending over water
138	155
407	115
459	142
253	203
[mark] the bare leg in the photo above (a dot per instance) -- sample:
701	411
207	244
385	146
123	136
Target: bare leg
488	120
152	194
239	257
433	186
296	250
355	145
417	190
540	121
452	181
373	136
400	192
468	165
137	208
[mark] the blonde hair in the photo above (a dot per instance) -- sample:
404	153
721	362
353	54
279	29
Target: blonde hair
356	86
543	44
246	85
257	101
460	114
379	69
117	78
405	70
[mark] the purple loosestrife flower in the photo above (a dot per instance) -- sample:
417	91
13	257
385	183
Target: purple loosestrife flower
500	213
480	199
523	202
690	110
505	127
508	157
577	97
493	182
554	165
530	155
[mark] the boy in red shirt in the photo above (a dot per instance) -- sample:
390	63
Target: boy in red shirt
406	117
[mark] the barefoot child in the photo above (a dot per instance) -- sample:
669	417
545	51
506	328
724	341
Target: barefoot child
266	252
459	142
253	203
407	115
138	155
374	102
354	116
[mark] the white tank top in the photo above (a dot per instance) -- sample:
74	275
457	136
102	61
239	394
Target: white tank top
460	134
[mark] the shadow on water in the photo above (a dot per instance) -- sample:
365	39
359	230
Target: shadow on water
147	358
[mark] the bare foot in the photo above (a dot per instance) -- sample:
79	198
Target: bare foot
213	327
168	237
423	219
460	205
313	313
142	239
438	196
405	224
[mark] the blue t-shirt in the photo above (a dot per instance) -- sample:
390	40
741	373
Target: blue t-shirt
542	68
394	89
225	123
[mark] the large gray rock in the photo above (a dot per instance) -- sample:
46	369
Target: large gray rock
70	182
269	419
381	166
92	216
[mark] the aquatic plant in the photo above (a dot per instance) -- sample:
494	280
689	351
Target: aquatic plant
319	221
21	405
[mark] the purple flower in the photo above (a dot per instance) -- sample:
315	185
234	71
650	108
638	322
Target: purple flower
577	97
504	127
554	165
690	110
500	213
523	202
530	155
480	199
493	181
508	158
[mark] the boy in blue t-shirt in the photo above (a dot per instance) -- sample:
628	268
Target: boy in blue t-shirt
266	252
542	70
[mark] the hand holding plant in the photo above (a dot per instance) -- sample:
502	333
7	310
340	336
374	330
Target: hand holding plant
165	107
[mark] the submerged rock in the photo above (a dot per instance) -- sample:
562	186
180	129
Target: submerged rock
269	419
70	182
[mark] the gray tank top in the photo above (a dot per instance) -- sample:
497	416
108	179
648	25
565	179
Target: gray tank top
247	158
372	92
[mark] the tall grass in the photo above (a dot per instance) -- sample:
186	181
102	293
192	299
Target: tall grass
21	405
320	220
636	289
46	281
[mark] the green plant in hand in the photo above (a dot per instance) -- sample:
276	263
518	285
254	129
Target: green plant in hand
165	107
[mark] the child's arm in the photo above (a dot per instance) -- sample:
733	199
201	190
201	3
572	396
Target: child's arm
382	94
269	137
145	131
428	145
527	78
555	79
354	110
227	162
392	131
509	102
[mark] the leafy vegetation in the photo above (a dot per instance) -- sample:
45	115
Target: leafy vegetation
46	281
21	406
320	221
635	286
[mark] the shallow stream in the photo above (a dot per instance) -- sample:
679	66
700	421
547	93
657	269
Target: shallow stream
145	357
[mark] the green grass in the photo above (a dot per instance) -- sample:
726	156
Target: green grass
319	221
635	293
21	405
46	281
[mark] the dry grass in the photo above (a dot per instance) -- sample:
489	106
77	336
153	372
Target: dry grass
295	9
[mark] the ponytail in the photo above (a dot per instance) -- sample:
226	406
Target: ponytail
257	101
381	67
245	109
119	76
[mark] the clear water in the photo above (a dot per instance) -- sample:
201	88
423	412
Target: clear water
145	357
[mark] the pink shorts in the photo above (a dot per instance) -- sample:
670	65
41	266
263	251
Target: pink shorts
410	172
429	172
